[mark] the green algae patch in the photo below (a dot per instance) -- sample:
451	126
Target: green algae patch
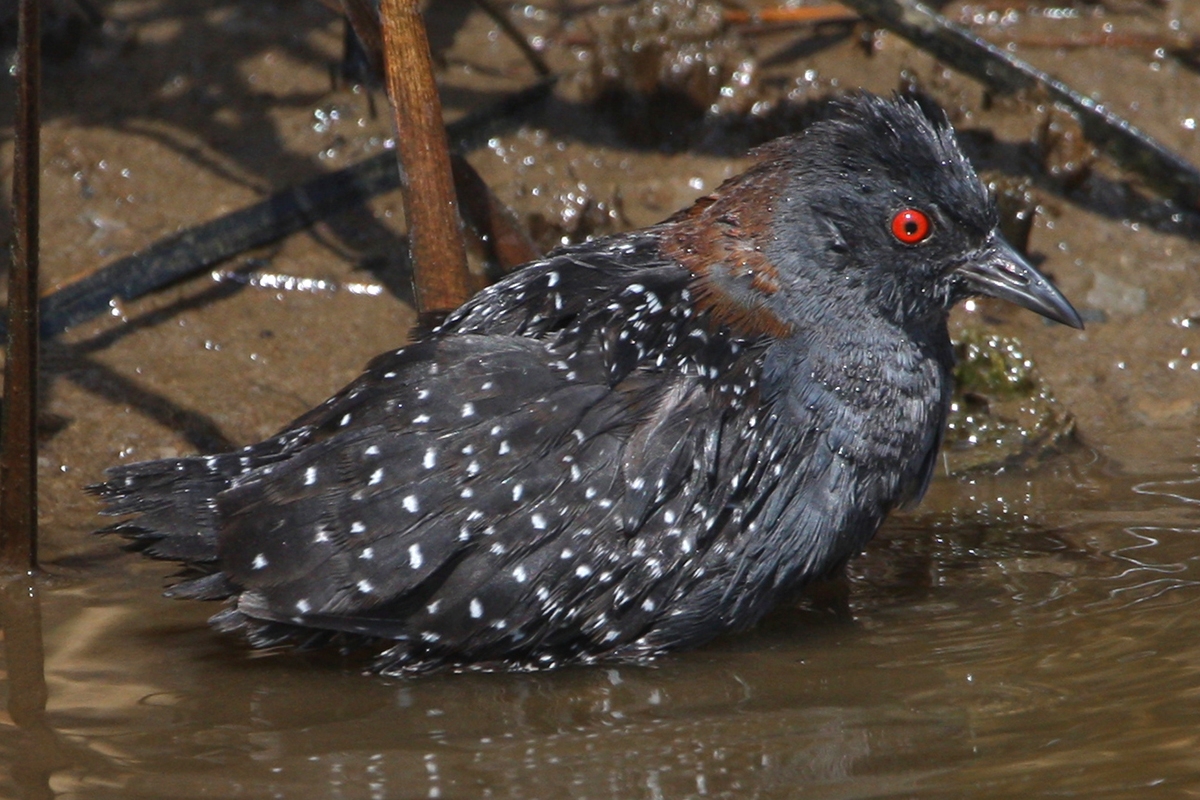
1002	413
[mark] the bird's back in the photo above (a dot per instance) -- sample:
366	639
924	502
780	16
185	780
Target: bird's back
579	464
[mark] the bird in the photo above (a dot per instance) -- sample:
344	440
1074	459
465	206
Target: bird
630	446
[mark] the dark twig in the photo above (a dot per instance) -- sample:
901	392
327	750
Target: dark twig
211	242
439	257
509	242
364	19
514	33
18	420
1133	149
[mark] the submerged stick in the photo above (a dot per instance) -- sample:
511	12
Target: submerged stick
18	420
197	248
439	257
1169	173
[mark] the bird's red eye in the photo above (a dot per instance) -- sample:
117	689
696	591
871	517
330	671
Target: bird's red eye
910	226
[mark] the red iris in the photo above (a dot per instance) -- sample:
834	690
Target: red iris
910	226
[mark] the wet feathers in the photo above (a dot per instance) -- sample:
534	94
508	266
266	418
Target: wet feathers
631	446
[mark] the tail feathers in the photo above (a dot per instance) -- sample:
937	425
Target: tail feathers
266	634
206	587
175	501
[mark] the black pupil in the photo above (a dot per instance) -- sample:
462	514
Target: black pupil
910	227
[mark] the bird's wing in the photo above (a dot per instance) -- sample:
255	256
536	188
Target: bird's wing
476	483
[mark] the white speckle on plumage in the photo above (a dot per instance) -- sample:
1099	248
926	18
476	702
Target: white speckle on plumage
487	386
303	606
475	515
430	637
648	604
411	504
638	484
415	559
420	419
467	493
430	460
368	554
365	586
473	468
669	517
576	473
539	522
373	450
566	553
322	535
310	476
519	574
476	608
517	491
590	492
497	548
376	477
358	527
389	375
579	436
583	570
551	279
433	607
260	561
345	420
422	394
496	430
504	448
468	410
542	593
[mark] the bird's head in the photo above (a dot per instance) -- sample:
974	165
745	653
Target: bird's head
873	208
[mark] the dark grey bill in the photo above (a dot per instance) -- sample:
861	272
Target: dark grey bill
998	270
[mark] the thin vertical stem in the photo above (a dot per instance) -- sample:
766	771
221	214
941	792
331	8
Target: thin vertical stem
18	421
439	258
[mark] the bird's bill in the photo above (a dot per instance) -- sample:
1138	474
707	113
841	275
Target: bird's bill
1000	271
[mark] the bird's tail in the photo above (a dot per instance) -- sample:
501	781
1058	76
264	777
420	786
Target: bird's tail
171	505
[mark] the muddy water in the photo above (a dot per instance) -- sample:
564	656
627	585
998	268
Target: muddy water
1028	632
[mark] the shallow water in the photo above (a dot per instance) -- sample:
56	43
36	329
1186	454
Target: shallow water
1050	650
1030	633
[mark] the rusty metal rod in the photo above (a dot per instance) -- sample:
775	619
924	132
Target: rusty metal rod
18	420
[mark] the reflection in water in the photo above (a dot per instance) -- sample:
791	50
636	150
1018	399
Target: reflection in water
997	656
31	746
